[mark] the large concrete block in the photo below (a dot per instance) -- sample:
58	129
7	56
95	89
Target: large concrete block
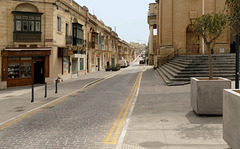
207	95
231	117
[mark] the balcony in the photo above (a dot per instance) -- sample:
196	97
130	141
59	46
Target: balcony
79	50
27	36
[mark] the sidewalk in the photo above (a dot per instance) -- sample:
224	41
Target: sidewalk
16	101
163	119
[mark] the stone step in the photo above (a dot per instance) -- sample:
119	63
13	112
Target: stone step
182	68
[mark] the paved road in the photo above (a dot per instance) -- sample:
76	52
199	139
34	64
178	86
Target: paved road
92	118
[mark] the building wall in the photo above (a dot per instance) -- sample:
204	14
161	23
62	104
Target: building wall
175	16
70	12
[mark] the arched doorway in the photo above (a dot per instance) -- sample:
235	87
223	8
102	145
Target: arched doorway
192	42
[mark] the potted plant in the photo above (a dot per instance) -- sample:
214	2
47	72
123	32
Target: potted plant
109	68
231	97
206	93
116	68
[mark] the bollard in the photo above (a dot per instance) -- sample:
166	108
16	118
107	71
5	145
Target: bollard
45	90
32	93
56	87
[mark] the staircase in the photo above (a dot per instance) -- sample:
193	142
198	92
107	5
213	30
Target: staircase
179	70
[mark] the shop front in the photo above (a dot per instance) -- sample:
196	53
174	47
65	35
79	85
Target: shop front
22	67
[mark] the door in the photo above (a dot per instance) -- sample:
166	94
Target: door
192	42
98	64
39	77
74	65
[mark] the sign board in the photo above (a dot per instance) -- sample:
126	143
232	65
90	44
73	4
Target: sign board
221	50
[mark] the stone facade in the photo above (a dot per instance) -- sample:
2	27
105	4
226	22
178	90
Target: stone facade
173	19
68	42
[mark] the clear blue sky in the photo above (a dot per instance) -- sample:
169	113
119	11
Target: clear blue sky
129	16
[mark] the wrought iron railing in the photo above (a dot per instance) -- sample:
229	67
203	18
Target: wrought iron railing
168	58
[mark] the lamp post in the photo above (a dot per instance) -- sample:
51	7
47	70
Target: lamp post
203	12
237	63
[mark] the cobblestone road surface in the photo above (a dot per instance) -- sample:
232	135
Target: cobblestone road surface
82	121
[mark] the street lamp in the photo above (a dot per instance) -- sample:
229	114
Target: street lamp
203	14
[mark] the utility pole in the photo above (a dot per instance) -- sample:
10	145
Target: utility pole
237	63
203	12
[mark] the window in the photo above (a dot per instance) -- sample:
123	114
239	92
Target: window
31	25
101	42
38	26
19	67
27	26
26	70
13	70
59	24
26	21
81	63
77	34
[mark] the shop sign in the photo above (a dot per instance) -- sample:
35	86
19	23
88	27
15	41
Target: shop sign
26	53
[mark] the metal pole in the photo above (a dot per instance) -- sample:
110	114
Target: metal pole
203	12
45	90
32	93
56	86
237	63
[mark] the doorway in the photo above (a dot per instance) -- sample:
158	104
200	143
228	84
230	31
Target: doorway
98	64
39	77
74	65
192	42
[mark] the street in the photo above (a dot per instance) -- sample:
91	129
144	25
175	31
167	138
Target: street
132	108
92	118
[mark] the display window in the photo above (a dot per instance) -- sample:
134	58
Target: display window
65	65
19	67
26	70
13	70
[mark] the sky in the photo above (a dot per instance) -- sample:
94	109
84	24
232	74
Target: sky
129	17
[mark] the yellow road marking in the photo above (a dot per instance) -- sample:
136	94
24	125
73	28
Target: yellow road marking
59	100
111	133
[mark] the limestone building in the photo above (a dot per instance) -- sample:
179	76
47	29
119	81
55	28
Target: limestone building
172	19
45	39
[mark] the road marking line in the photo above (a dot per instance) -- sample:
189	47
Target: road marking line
52	103
111	133
106	140
118	131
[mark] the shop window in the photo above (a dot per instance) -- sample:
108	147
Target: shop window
65	65
26	70
81	63
13	70
19	67
27	26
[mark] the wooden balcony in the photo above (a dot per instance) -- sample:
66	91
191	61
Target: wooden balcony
27	36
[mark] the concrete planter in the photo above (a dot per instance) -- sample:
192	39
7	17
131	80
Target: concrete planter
231	118
207	95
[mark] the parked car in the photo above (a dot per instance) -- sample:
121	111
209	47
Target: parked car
142	61
123	63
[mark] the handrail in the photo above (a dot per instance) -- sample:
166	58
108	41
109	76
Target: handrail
167	58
